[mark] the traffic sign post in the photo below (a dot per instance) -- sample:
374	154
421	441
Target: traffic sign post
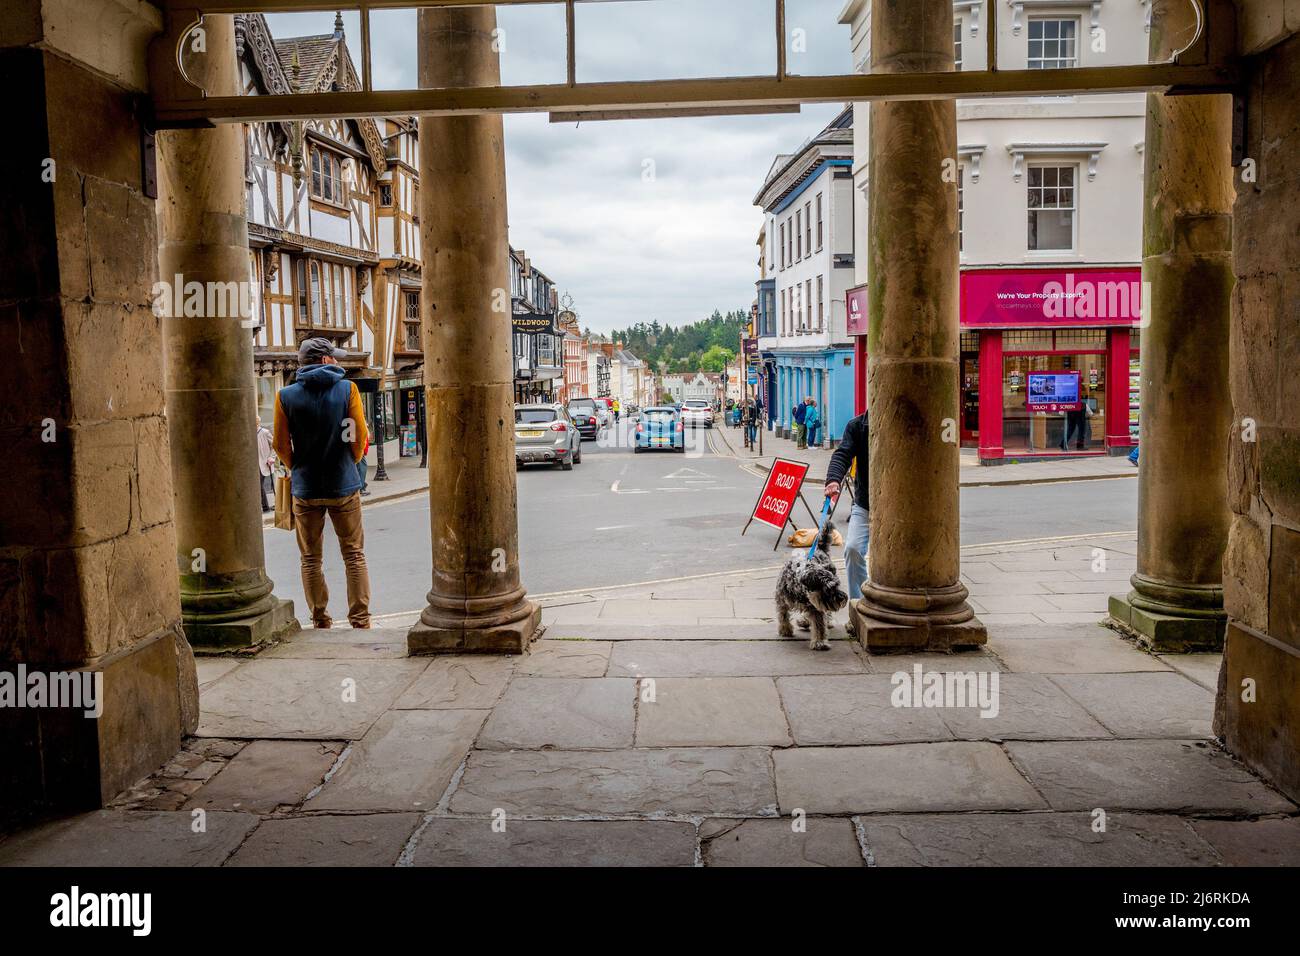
776	500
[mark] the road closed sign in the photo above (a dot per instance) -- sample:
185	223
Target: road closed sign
778	495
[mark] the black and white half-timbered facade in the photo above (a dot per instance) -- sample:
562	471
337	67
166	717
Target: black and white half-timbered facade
332	225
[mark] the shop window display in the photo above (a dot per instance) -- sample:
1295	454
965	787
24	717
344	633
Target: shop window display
1028	431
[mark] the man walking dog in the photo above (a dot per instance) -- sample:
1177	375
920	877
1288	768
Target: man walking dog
320	434
853	451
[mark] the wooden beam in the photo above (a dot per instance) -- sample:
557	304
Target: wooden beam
670	112
696	93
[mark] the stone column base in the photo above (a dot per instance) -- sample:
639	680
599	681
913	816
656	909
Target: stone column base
58	759
222	637
1166	633
511	637
885	637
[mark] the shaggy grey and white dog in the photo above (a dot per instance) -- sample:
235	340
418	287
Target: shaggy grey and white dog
810	585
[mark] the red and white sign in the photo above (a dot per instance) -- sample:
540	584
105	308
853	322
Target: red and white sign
856	309
778	495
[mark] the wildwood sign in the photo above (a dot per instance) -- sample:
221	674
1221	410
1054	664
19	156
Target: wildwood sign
534	323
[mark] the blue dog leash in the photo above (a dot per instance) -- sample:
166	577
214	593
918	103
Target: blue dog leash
821	523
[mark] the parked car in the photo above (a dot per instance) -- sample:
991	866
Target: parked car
605	406
659	427
696	413
585	413
546	433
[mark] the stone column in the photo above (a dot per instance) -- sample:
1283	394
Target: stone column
88	585
476	603
203	262
1177	599
914	598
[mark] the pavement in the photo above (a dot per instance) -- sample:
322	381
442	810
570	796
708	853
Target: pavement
972	475
667	724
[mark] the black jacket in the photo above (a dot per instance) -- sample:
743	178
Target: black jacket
853	446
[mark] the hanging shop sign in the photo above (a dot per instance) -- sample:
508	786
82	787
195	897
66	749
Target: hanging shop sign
534	323
1054	392
857	311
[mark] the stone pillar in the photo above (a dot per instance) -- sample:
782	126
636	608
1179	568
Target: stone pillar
226	596
914	598
1259	687
477	603
1177	599
87	576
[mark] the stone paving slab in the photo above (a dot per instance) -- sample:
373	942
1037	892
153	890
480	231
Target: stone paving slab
958	660
565	659
945	776
854	710
600	631
1271	842
1143	705
404	762
268	774
129	838
1090	630
462	842
301	699
681	780
568	713
712	712
685	611
335	651
459	683
212	669
1029	707
1033	839
731	659
353	840
824	841
1202	668
1182	776
1055	655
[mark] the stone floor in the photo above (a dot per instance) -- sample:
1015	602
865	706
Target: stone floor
670	726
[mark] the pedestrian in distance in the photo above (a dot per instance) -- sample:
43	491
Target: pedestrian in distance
853	453
751	422
812	421
800	432
265	459
320	435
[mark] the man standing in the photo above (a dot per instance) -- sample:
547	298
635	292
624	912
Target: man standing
853	453
320	433
265	459
800	433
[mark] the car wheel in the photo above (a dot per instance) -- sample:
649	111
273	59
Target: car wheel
577	454
566	464
636	449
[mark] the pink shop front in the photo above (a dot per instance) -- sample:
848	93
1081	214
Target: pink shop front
1049	361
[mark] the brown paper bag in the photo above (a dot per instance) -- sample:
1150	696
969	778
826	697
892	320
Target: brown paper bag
283	503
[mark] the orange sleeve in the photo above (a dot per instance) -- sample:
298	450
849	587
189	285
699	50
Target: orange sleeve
360	434
280	440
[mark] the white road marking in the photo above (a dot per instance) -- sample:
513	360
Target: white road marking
615	527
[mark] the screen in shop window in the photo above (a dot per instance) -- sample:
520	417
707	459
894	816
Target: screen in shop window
1054	392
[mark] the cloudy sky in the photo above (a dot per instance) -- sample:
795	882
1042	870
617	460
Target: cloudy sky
636	219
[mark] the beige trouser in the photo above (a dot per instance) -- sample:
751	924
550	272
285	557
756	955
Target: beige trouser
309	521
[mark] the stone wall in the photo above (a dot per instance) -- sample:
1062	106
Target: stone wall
1262	564
88	575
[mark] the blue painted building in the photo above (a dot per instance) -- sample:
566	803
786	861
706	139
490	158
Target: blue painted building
807	269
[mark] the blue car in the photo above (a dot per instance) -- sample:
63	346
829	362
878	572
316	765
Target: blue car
660	427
